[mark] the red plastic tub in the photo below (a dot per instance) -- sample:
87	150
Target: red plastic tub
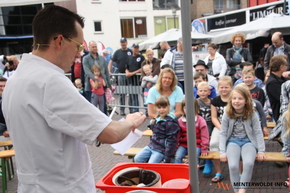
166	171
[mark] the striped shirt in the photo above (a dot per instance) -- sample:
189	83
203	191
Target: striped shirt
178	66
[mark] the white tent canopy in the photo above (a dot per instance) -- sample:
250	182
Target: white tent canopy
9	3
172	35
261	27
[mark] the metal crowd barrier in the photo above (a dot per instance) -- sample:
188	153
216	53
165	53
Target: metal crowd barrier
128	93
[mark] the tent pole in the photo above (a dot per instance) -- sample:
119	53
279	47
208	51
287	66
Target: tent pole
188	79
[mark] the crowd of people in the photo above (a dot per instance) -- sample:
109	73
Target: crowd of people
232	105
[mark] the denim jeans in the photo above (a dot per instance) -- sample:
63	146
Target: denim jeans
147	153
133	101
182	152
99	101
239	141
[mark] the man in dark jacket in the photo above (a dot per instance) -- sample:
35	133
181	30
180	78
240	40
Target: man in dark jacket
278	47
278	65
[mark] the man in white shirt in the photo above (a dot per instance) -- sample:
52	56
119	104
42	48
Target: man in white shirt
49	122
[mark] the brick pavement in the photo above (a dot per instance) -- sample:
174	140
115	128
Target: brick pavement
103	160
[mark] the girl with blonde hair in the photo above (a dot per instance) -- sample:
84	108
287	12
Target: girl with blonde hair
241	137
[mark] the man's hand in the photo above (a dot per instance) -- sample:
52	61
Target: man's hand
136	119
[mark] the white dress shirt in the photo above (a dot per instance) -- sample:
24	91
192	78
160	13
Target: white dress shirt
50	124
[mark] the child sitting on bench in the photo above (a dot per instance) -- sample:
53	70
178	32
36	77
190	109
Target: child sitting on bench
164	140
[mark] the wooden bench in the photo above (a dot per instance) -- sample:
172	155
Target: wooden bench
212	155
6	144
148	132
271	124
5	156
270	156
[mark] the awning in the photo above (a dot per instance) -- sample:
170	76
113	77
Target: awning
14	37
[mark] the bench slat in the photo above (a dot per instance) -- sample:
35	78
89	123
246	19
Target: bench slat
270	156
148	132
213	155
7	153
5	143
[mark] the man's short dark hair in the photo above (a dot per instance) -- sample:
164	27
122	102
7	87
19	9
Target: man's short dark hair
52	21
2	79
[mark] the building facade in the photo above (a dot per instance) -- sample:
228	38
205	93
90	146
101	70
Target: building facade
107	21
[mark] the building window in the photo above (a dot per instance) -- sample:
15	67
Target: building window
98	26
219	4
166	4
17	20
161	24
230	4
134	27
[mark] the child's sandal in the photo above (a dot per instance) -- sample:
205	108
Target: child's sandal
218	177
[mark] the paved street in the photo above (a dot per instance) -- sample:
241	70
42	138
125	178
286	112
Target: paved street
103	160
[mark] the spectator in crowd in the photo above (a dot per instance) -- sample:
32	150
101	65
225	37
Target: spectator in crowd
51	147
167	86
169	66
241	137
202	137
3	128
121	57
259	71
79	85
278	47
164	141
218	104
286	133
255	91
107	55
257	81
204	101
164	45
93	58
133	67
215	62
153	62
237	55
9	64
77	69
278	65
177	62
148	82
2	85
284	99
168	56
198	78
98	92
200	66
267	107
